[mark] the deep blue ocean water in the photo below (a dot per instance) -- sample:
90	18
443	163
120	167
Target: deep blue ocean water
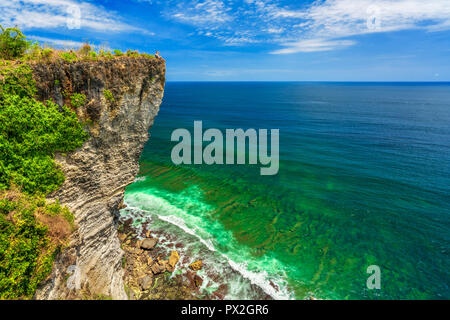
364	180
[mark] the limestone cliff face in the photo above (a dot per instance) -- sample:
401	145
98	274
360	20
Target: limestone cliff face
97	174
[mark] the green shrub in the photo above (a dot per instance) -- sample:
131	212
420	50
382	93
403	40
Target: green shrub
77	100
133	54
69	56
118	53
34	52
31	133
13	43
47	53
108	95
17	80
93	55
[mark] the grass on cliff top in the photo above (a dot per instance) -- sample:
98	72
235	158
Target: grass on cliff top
32	231
14	46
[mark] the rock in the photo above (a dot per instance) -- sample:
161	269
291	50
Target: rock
198	281
157	268
191	280
221	291
146	282
197	265
173	259
138	243
179	245
170	269
149	243
164	264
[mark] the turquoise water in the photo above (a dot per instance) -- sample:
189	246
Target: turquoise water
364	180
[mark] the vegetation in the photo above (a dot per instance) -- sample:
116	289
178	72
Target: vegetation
13	43
15	46
31	133
77	100
109	96
118	53
32	231
68	56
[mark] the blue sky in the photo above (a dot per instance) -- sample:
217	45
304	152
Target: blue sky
251	40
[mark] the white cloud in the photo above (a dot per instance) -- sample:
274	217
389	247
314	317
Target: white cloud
314	45
55	14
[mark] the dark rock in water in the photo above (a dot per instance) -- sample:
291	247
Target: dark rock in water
191	279
149	243
179	245
146	282
221	292
198	281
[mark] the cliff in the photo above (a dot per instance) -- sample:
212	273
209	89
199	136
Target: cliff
123	96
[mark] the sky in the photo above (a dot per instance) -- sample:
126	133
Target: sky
255	40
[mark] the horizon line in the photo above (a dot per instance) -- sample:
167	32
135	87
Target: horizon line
317	81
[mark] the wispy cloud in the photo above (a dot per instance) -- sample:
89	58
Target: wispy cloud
202	13
54	14
322	25
66	44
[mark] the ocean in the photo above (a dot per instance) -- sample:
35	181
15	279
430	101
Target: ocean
364	179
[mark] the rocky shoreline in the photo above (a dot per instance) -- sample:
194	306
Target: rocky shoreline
157	268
